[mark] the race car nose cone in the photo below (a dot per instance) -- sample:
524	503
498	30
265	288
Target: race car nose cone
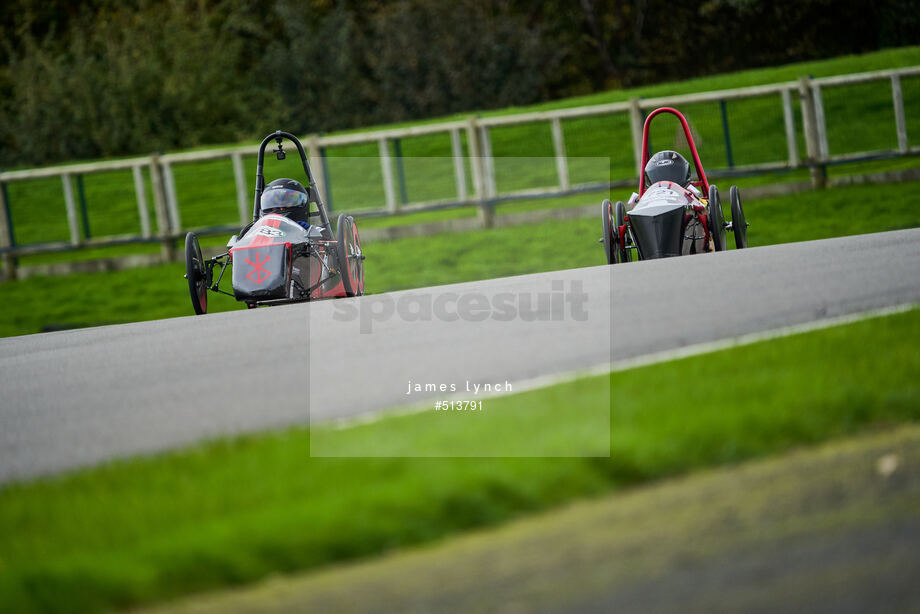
657	230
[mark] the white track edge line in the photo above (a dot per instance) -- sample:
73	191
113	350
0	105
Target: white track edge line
627	364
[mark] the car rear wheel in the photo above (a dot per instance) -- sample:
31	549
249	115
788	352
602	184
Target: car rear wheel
620	220
348	253
196	274
739	224
716	219
607	227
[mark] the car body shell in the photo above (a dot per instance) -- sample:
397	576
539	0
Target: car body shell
669	220
278	259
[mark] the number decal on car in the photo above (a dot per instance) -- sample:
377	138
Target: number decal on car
268	231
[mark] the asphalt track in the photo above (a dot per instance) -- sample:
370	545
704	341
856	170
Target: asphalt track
74	398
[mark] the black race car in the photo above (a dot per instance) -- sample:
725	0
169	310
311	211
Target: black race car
671	215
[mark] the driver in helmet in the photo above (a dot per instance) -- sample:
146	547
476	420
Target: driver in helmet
289	198
667	166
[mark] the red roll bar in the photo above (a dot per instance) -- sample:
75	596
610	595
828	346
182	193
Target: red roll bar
702	183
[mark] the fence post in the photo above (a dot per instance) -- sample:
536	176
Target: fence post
486	211
899	120
456	149
386	167
812	143
172	202
318	166
400	172
71	209
636	122
488	162
6	237
326	180
168	250
562	164
239	179
141	194
789	121
820	123
472	139
727	134
476	138
84	214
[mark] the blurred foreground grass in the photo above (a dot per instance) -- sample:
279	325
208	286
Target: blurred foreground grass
830	528
160	292
233	511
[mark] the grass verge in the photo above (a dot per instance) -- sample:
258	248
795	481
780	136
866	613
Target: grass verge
829	528
232	511
39	303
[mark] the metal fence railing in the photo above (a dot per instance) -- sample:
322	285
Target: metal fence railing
809	123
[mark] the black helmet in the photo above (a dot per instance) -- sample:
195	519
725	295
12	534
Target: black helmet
284	194
667	166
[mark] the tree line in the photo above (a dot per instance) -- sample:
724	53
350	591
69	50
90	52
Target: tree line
90	78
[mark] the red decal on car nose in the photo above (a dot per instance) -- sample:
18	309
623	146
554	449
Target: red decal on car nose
257	269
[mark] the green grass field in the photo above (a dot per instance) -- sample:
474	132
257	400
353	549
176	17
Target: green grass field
860	118
37	303
232	511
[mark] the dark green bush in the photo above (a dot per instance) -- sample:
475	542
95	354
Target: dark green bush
109	77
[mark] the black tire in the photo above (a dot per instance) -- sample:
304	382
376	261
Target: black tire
739	224
607	227
348	253
620	219
716	219
196	274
